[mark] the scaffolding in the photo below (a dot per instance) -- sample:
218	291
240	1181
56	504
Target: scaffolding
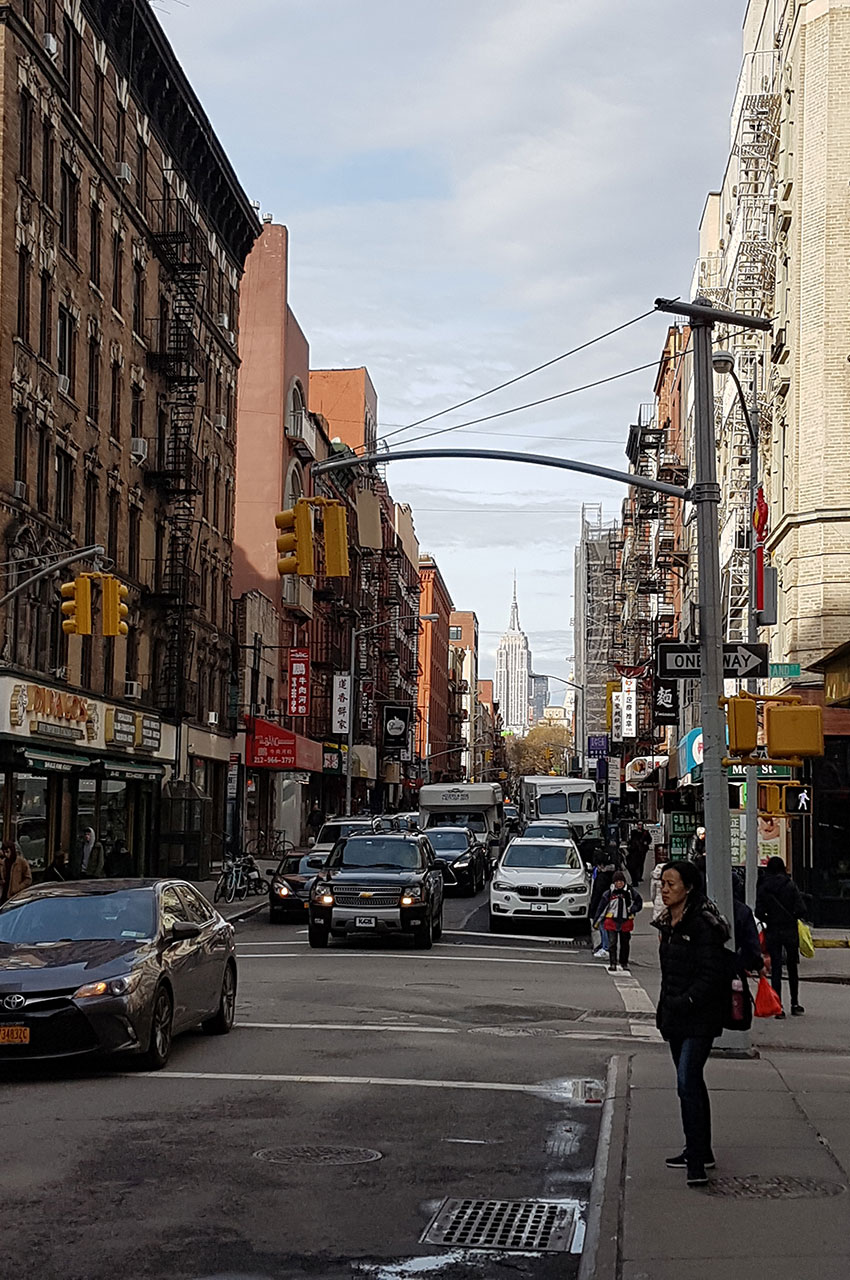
597	645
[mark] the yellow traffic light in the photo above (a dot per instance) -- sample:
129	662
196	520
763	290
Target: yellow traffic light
76	606
742	719
295	544
114	610
336	541
793	729
769	797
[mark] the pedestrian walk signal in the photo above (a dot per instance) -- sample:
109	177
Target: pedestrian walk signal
784	798
798	799
76	606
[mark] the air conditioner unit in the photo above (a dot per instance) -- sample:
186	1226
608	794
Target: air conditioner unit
222	320
20	490
220	421
123	172
63	383
138	450
212	718
229	336
51	44
132	690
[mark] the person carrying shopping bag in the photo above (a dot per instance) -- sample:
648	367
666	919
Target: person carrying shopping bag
780	907
616	915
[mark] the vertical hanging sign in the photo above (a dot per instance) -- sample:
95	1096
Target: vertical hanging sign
299	682
629	704
342	704
616	717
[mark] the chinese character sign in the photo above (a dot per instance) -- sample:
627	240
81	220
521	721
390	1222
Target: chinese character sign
299	682
629	705
342	704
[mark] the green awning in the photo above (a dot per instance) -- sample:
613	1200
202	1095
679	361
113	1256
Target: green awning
130	771
54	762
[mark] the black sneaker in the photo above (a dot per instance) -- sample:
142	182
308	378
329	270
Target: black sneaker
796	1010
697	1176
681	1161
780	1014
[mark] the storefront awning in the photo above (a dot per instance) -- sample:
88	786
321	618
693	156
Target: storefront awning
131	771
268	746
644	771
54	762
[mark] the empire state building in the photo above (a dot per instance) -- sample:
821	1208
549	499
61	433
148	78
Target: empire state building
513	674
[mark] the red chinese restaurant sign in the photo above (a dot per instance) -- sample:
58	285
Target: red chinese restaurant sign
268	746
299	682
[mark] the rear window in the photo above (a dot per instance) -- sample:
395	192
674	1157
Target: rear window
475	821
550	857
447	839
549	831
333	831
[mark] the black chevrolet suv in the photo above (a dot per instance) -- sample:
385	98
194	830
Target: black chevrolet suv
378	884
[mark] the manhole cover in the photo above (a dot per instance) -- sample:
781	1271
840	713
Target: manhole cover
758	1187
521	1226
317	1155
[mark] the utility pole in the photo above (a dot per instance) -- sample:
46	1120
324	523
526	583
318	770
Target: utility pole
752	809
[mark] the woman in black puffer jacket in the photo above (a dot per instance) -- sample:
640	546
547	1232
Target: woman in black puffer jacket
691	1007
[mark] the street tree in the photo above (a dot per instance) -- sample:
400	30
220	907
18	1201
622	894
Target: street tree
542	750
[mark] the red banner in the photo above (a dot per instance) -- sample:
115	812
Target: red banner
299	682
268	746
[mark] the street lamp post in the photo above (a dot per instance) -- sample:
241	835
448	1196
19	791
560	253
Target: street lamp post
723	363
352	663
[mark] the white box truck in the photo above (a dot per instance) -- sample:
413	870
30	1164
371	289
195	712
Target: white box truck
477	805
573	799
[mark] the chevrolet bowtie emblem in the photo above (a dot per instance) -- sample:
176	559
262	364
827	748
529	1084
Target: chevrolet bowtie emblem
365	895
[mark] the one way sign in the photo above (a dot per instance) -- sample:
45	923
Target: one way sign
740	661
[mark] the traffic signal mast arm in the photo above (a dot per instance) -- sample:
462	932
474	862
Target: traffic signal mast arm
793	730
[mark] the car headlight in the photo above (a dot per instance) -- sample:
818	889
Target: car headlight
113	987
464	861
282	890
412	895
323	894
501	885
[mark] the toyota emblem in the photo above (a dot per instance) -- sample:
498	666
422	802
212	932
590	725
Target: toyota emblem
14	1002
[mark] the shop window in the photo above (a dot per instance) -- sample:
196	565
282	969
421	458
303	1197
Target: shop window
86	809
30	817
112	826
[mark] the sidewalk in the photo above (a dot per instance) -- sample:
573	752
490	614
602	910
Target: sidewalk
233	911
778	1203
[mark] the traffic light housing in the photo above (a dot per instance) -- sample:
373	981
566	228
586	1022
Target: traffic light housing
113	607
742	722
793	729
76	606
769	797
336	540
295	543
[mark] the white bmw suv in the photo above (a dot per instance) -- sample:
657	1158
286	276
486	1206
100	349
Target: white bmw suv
540	880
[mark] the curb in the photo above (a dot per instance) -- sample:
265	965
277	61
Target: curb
600	1255
831	942
246	912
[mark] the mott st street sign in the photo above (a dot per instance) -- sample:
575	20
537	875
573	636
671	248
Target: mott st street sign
740	661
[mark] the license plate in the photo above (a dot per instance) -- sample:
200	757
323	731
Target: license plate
365	922
538	906
14	1035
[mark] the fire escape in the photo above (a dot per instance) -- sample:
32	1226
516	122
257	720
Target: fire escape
176	353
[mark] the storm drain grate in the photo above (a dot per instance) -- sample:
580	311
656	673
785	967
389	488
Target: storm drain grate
317	1155
759	1187
522	1226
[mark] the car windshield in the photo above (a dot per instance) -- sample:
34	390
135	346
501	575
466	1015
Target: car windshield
475	821
333	831
378	851
551	857
125	914
564	802
448	839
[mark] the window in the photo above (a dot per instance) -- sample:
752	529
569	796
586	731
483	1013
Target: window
205	584
171	908
69	199
64	486
112	527
133	542
86	662
120	134
28	11
141	178
214	597
25	158
43	485
45	328
71	64
200	911
108	665
50	16
205	490
138	298
21	444
48	149
115	402
131	655
93	398
65	347
90	513
95	233
97	110
137	406
216	498
24	295
117	271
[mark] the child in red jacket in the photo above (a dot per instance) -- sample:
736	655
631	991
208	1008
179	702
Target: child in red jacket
616	915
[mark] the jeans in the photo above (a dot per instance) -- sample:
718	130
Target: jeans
625	941
776	947
603	939
690	1056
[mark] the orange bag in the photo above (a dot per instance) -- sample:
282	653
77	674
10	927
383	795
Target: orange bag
768	1003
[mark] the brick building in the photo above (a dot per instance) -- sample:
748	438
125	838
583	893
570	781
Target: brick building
436	735
122	253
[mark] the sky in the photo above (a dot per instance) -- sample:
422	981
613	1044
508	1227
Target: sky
473	187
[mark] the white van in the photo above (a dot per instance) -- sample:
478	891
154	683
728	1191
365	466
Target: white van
477	805
573	799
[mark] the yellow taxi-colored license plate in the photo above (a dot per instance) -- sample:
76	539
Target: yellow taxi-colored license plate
14	1035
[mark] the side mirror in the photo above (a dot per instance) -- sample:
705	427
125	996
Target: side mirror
315	864
182	930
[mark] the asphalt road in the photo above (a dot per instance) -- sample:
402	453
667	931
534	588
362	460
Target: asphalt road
474	1071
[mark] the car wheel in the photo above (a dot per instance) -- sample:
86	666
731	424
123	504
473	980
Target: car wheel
438	926
495	923
317	937
423	938
222	1021
159	1046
